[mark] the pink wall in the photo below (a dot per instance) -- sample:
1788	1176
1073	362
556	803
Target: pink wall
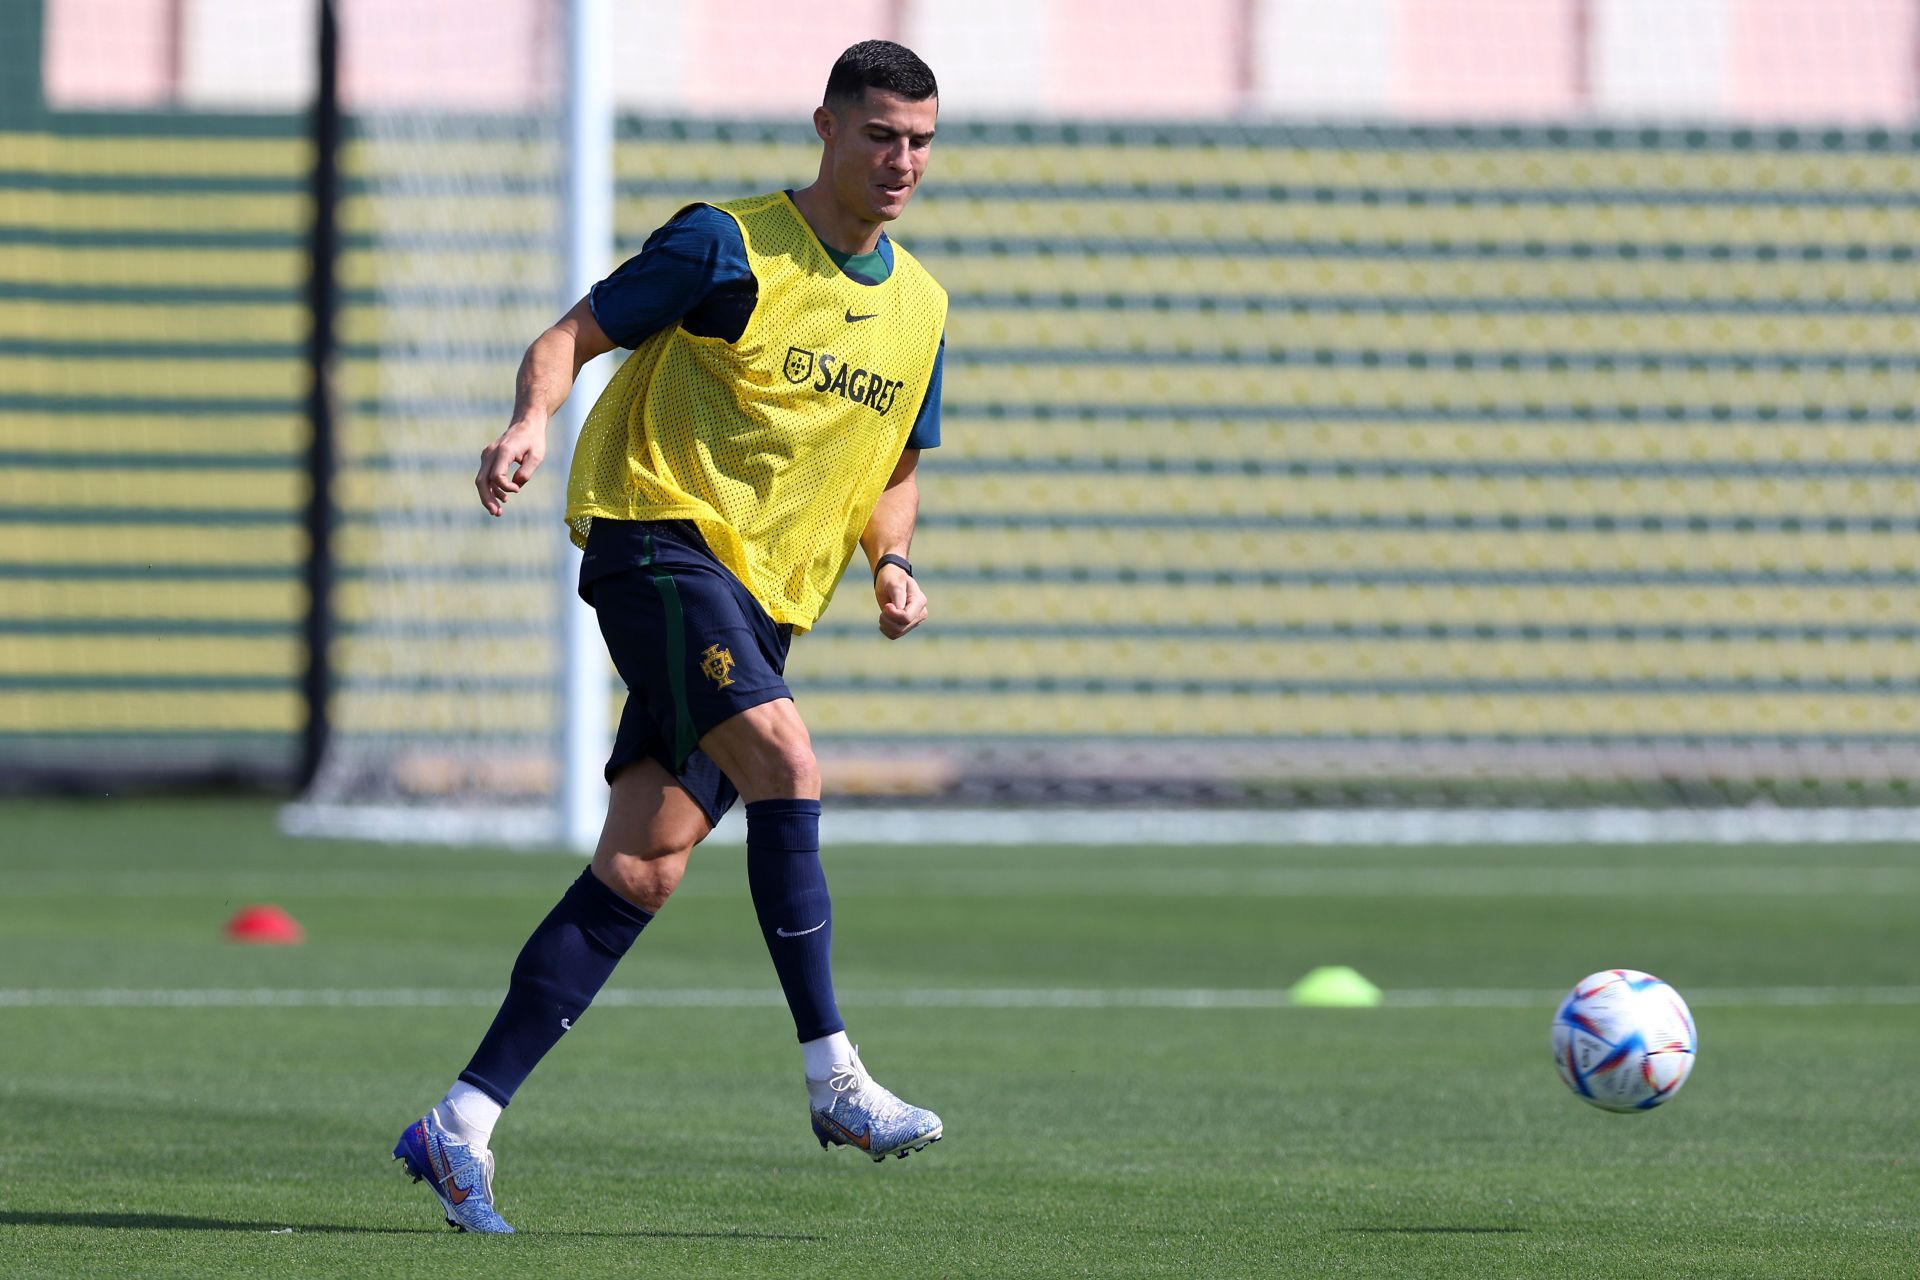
1144	58
108	53
1823	61
1787	61
748	56
454	53
1500	59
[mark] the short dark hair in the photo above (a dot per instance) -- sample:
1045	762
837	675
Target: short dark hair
879	64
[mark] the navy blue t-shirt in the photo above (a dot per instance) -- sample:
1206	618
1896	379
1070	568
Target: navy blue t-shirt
694	272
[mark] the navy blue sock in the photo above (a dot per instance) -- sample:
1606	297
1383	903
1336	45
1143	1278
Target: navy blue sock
563	966
796	916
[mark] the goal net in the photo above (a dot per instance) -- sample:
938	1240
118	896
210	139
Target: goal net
448	712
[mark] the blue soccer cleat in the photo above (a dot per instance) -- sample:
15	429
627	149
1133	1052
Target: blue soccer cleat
461	1178
860	1113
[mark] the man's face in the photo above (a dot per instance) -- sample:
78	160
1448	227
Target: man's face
879	146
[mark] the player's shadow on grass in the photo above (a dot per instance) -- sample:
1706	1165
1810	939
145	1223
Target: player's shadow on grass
183	1222
186	1222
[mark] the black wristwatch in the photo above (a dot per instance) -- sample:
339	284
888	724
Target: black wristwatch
888	559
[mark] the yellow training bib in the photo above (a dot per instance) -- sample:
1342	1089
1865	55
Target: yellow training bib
777	445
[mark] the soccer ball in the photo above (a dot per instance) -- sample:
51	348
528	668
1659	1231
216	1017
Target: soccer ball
1623	1040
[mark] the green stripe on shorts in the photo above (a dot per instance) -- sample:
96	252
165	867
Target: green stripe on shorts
684	738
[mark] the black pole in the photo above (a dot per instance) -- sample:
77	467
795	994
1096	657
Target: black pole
322	302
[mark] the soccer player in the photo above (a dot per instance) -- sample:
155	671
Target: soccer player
785	376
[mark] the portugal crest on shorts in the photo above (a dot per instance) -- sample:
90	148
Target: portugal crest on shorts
716	664
799	364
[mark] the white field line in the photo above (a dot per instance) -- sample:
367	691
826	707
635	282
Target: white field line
1181	881
910	998
908	826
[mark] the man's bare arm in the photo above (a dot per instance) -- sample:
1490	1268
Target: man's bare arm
546	375
889	531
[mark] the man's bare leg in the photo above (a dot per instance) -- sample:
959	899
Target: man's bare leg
651	828
766	753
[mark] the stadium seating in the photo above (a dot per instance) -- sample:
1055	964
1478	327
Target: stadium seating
1339	438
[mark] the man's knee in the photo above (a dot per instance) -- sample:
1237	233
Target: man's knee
787	769
646	878
651	828
767	753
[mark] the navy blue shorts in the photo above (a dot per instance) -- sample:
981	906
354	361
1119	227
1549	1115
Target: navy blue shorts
693	645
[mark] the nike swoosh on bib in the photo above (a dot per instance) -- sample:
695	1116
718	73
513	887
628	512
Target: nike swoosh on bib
854	319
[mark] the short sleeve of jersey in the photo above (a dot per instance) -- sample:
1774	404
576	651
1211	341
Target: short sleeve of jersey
926	427
699	252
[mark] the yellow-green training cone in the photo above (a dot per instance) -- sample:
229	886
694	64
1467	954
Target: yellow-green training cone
1335	986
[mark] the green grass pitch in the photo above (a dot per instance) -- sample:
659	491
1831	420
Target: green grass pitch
243	1126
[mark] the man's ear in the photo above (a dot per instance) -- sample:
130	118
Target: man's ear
823	122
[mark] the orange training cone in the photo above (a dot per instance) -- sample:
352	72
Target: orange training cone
265	924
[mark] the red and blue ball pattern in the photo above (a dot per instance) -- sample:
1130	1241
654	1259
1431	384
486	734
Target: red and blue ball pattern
1624	1040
